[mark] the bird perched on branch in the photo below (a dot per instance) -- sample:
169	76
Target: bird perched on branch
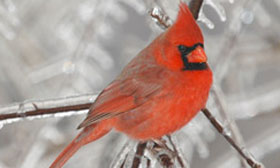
157	93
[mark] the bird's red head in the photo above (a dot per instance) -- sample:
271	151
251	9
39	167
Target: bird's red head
182	43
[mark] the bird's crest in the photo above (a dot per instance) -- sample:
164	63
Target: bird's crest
185	29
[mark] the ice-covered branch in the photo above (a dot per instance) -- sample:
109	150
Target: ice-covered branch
181	159
259	146
160	18
164	21
121	157
139	154
227	135
220	102
45	108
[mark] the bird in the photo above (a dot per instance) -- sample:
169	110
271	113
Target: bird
157	92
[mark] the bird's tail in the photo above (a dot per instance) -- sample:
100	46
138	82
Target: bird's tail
89	134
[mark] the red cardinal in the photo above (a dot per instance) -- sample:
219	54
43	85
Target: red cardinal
157	93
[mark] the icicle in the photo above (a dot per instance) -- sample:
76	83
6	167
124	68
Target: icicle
206	21
9	121
226	131
63	114
218	8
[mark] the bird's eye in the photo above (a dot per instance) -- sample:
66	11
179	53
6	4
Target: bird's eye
184	50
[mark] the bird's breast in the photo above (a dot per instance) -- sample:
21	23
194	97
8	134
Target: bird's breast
180	99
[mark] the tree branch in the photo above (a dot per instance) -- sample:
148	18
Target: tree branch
164	20
220	102
242	151
195	6
181	159
163	154
160	18
139	154
44	108
121	157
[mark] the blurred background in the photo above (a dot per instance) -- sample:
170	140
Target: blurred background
51	49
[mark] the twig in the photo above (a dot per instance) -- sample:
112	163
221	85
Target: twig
46	107
179	155
164	21
195	6
163	154
257	145
236	135
226	135
139	154
121	157
160	17
166	161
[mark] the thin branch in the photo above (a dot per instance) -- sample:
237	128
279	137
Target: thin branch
164	155
139	154
161	152
195	6
160	17
164	21
182	161
46	107
242	151
256	145
121	157
236	135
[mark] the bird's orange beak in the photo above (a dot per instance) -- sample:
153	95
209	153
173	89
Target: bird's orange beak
197	55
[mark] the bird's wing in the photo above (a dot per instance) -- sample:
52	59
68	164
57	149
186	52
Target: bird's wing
123	95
